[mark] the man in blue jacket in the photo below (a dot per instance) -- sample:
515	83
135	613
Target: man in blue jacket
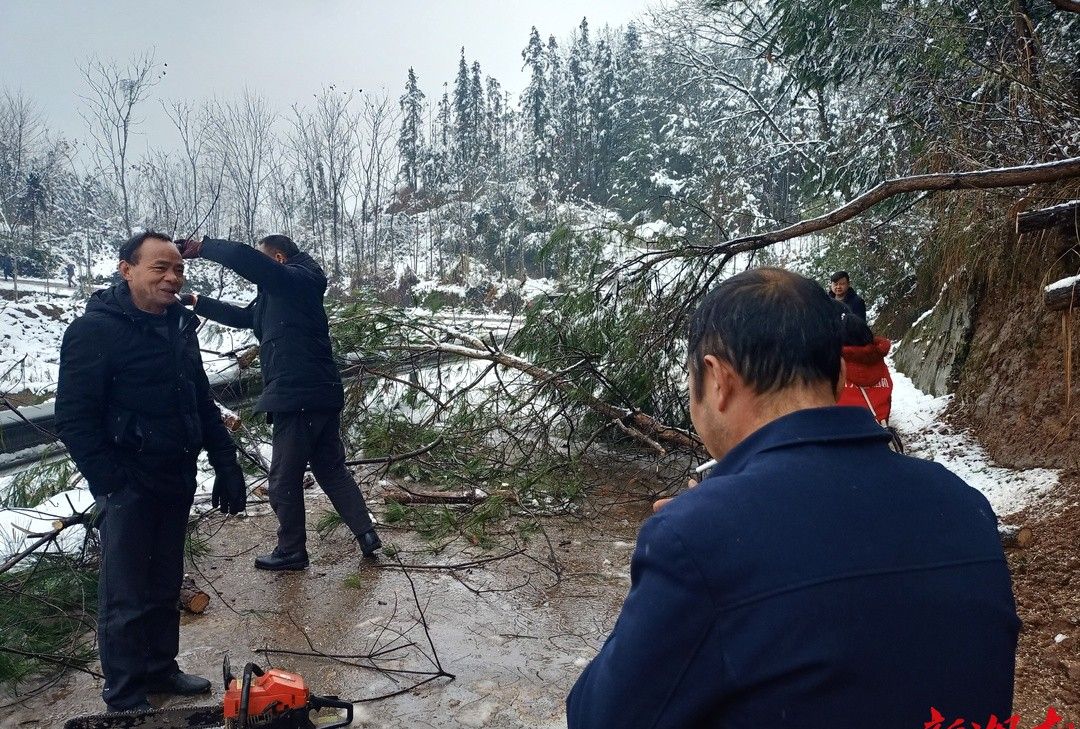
302	392
815	578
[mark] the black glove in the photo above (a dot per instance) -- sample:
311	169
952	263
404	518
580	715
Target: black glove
230	489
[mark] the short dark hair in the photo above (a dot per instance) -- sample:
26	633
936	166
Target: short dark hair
282	244
854	332
774	327
129	251
839	275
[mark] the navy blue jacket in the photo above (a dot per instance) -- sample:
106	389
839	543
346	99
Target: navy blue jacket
290	323
816	578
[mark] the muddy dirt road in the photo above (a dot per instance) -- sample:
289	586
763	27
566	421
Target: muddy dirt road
514	632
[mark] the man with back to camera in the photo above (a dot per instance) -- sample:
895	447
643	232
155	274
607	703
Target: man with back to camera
840	288
303	396
134	408
815	578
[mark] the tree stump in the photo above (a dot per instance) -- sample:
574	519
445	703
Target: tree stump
192	598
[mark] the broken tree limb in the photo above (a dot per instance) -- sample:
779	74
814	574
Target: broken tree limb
403	495
650	431
1013	535
450	567
245	358
192	598
1063	297
1065	217
45	539
980	180
399	457
1070	6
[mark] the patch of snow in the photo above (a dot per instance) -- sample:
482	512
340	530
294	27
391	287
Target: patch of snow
657	228
1064	283
923	316
920	419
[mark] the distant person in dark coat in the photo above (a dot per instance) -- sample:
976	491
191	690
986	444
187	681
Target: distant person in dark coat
815	578
134	408
302	394
70	269
8	267
840	288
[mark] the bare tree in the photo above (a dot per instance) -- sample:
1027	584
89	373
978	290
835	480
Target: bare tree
114	93
244	142
377	167
22	133
324	144
199	171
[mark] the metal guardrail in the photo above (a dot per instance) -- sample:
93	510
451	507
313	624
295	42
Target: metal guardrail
17	434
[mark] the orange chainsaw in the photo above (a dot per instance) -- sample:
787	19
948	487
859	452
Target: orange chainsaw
272	699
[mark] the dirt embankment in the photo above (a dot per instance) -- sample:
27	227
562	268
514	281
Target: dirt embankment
1015	394
1012	391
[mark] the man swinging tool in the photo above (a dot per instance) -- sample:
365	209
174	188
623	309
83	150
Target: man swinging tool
302	396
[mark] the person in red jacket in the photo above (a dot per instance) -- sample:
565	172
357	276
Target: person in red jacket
868	383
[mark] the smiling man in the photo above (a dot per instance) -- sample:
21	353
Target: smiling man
816	578
133	406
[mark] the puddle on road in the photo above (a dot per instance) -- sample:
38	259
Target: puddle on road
514	634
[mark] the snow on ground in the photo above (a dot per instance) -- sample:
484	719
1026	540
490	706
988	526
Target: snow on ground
30	335
17	524
920	419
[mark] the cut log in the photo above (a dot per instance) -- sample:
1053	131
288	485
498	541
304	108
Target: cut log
247	357
1064	217
192	598
402	496
1014	535
1063	297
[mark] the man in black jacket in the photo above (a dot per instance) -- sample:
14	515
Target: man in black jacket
302	392
840	288
133	406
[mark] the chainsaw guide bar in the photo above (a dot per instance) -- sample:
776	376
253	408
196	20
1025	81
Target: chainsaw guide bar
196	717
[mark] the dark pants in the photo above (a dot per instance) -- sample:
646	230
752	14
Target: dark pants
299	439
142	566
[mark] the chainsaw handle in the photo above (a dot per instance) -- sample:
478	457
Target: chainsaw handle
245	693
332	702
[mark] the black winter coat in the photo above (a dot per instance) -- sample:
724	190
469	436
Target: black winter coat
287	315
133	403
853	302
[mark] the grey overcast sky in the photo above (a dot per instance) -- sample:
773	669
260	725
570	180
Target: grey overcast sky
285	49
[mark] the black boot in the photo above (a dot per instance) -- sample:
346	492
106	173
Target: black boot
277	561
370	542
180	684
